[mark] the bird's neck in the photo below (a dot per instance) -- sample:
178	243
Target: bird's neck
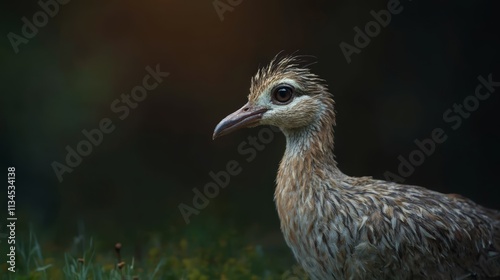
308	157
308	168
314	143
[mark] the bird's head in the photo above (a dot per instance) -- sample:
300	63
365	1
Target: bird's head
284	94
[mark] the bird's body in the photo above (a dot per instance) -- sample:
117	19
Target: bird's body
342	227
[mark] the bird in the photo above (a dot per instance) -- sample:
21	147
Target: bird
343	227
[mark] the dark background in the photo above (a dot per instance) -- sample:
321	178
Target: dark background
395	91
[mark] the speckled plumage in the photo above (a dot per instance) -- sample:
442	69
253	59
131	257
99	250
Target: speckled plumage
342	227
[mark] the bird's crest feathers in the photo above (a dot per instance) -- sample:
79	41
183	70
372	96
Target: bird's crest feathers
293	67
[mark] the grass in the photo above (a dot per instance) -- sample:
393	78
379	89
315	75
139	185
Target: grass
193	256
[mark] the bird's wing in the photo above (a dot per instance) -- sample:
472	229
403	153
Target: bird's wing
489	261
450	231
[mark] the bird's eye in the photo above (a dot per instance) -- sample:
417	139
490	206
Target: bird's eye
283	94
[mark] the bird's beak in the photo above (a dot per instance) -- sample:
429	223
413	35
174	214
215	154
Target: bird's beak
246	116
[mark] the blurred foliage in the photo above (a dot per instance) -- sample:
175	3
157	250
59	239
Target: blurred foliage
190	255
